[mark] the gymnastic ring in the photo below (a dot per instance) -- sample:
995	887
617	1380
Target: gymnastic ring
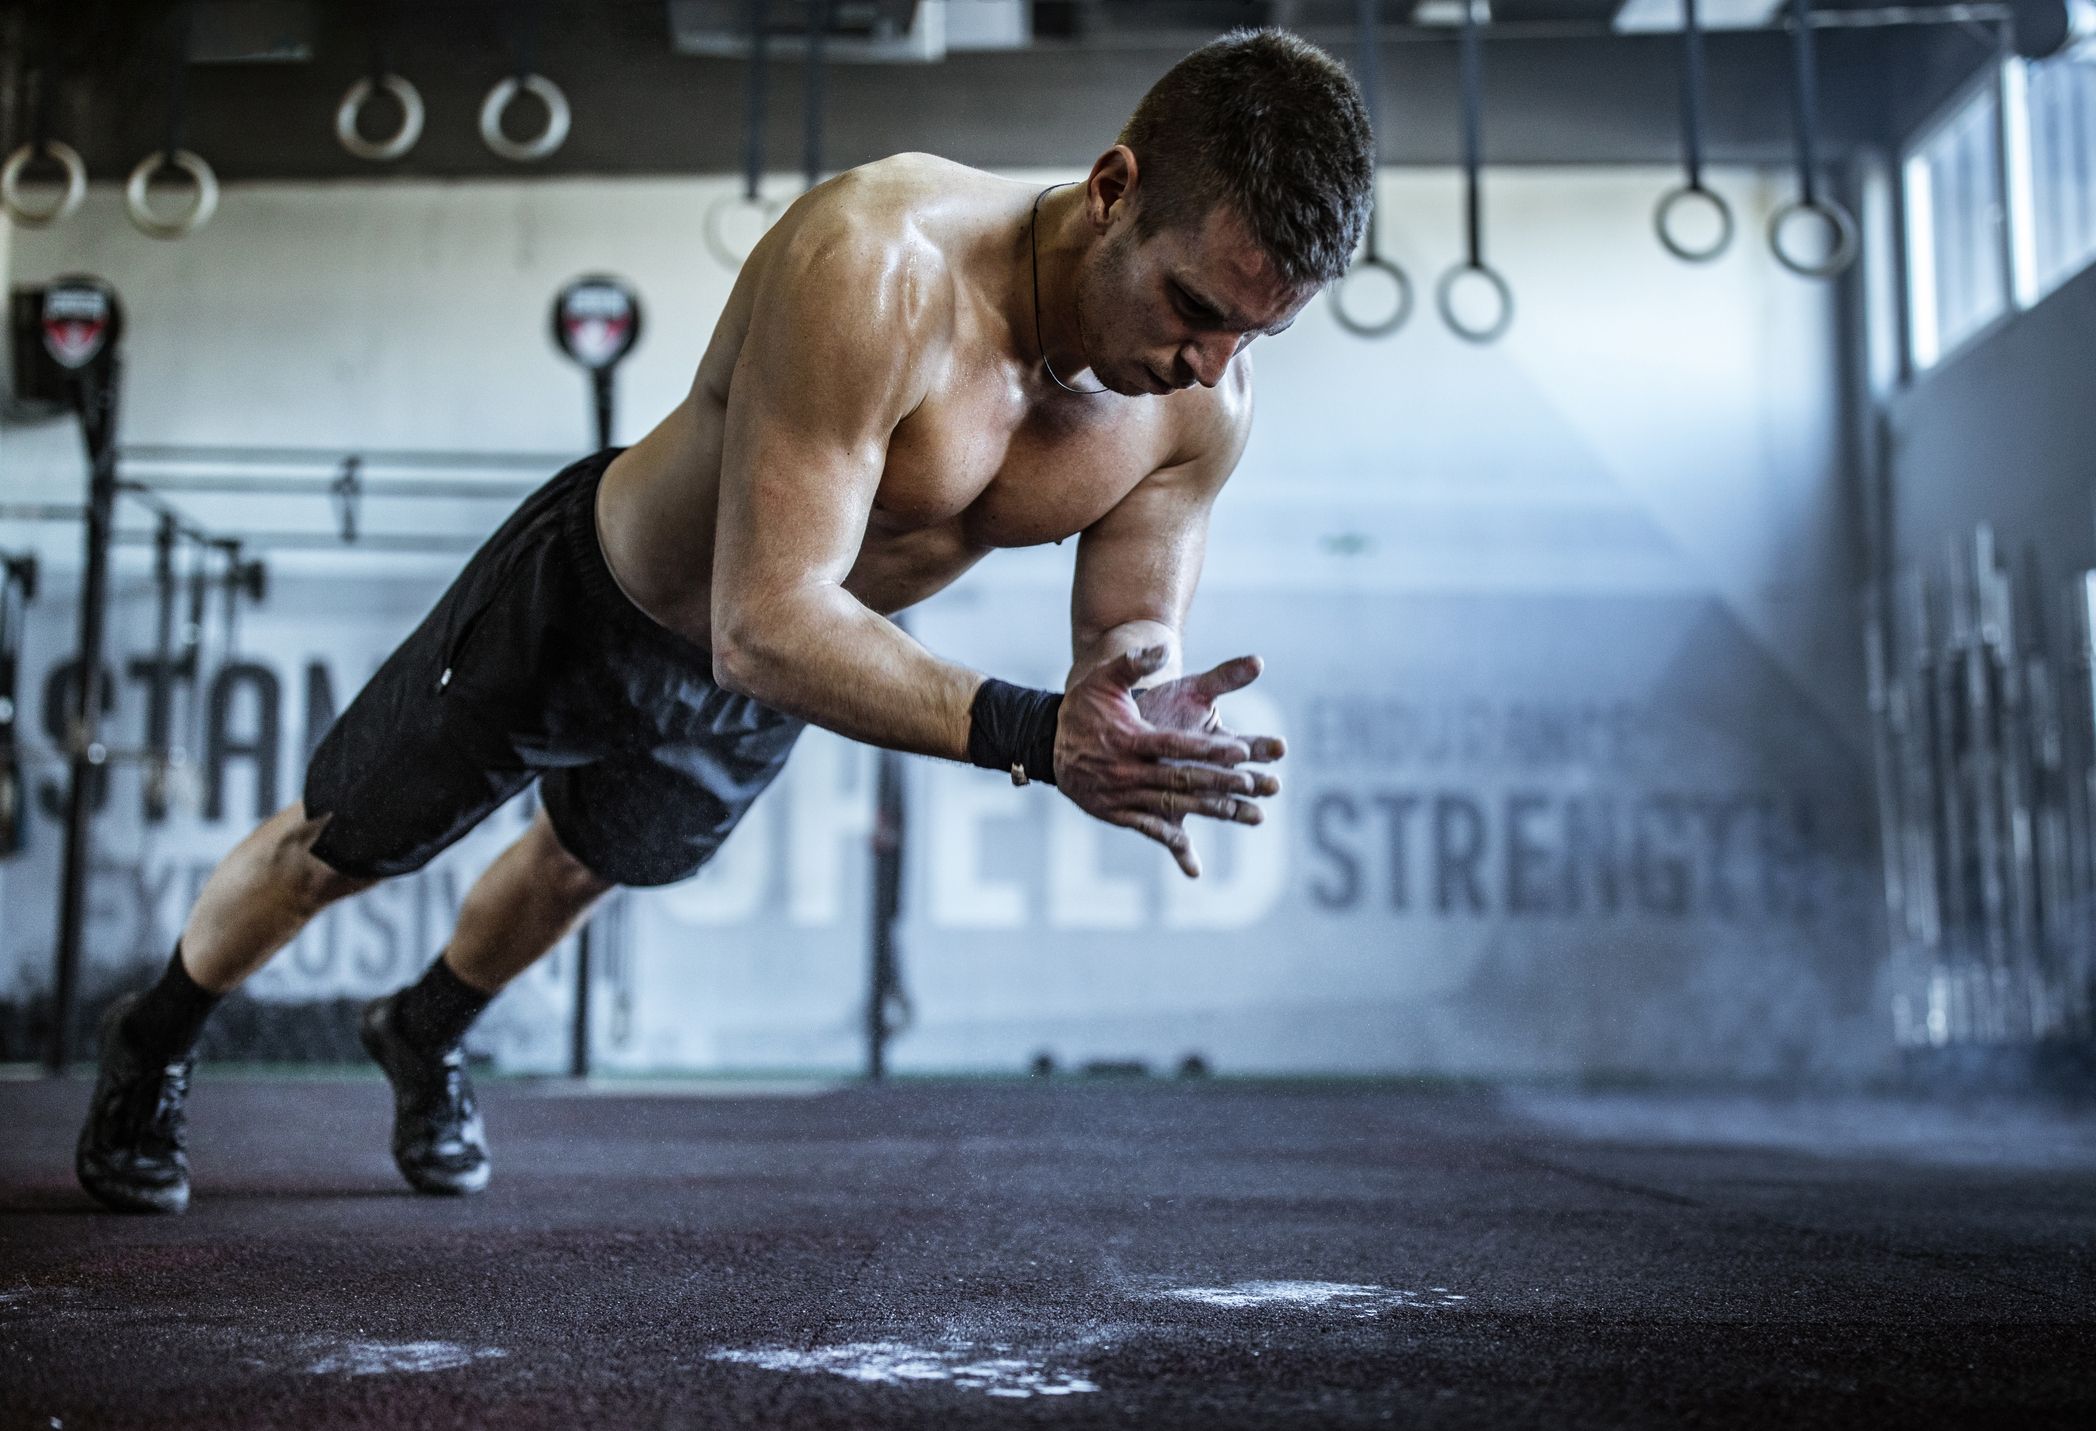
717	240
68	159
404	94
1670	204
136	201
558	117
1361	327
1836	217
1444	295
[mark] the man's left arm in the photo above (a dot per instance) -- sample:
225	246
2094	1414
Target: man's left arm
1138	565
1137	568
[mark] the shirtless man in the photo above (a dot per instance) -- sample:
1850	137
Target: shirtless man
918	364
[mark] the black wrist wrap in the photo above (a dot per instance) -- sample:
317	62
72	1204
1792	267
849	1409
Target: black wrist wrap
1012	728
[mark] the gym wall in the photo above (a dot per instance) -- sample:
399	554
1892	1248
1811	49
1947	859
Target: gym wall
2001	433
1578	781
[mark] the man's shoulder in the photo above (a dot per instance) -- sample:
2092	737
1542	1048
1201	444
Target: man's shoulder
869	235
1210	425
901	203
909	187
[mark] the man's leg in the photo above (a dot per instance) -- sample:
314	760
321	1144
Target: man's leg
261	895
526	902
130	1154
444	732
523	905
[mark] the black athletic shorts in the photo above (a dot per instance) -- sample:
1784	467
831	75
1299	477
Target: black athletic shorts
534	665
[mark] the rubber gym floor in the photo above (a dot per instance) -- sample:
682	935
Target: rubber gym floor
1063	1252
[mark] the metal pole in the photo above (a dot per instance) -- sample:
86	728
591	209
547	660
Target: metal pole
602	384
602	391
885	985
96	397
579	1038
160	695
327	461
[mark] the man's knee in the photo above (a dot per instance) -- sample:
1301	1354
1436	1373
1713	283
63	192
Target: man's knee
572	878
313	881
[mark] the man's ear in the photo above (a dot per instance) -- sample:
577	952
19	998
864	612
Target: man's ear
1110	193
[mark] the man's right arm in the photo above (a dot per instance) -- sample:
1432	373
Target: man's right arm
832	362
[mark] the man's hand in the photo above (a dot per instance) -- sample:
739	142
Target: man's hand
1149	759
1189	704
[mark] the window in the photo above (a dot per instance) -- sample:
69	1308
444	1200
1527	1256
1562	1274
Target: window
2062	109
1957	282
2000	199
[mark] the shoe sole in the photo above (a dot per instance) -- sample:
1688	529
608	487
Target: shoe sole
122	1197
464	1183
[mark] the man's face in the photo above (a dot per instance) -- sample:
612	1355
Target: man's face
1172	309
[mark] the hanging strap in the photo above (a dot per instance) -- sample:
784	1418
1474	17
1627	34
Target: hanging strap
523	39
46	75
1804	99
1473	70
811	92
177	83
1692	92
1366	14
1804	95
1692	191
382	22
1471	54
753	113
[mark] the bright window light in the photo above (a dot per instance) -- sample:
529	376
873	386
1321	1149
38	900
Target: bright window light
1957	281
2062	139
1645	17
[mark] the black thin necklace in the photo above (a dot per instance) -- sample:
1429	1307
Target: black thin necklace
1033	240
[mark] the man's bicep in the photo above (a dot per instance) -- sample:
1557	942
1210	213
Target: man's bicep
1142	560
796	487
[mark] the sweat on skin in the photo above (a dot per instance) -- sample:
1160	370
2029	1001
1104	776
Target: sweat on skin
936	436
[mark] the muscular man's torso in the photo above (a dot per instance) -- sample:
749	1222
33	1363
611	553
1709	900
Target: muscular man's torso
994	456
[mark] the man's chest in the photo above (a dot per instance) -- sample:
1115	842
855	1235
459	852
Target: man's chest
998	474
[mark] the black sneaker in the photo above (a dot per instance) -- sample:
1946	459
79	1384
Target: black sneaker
439	1144
131	1155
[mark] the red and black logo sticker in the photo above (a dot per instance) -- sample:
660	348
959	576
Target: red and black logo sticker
79	320
596	321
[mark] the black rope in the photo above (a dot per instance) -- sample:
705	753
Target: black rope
523	39
1366	13
753	119
45	48
40	107
1804	96
1692	91
178	81
25	112
1473	68
382	22
811	91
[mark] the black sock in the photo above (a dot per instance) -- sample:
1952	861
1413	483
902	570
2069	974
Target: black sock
437	1009
163	1025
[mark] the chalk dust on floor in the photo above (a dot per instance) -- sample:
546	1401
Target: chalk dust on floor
972	1367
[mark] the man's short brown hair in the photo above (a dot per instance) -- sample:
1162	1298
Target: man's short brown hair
1271	124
